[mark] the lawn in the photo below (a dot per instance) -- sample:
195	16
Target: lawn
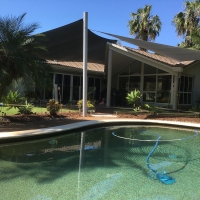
14	111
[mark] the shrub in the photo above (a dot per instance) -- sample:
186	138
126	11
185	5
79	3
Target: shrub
90	104
195	108
135	110
153	109
53	107
147	106
133	98
27	109
12	98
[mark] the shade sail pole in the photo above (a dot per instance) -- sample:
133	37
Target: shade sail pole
85	52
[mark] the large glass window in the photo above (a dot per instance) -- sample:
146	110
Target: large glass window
63	82
148	69
98	88
123	83
149	83
58	81
125	72
129	83
156	85
66	88
91	88
185	90
149	96
134	83
48	89
94	88
135	69
149	90
163	89
76	88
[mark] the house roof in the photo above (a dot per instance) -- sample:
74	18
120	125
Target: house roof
65	44
65	49
124	57
95	67
160	58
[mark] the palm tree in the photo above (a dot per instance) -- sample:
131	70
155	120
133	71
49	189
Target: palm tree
143	25
187	22
195	39
19	54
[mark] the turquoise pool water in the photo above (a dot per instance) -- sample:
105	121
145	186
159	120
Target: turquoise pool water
95	164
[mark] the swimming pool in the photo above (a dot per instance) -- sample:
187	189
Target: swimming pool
96	164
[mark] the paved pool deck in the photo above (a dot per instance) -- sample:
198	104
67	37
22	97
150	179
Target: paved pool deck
90	123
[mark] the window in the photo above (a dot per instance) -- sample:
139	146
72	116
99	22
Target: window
149	83
156	85
77	91
163	89
185	90
58	81
149	97
149	69
123	83
94	88
66	88
134	83
98	89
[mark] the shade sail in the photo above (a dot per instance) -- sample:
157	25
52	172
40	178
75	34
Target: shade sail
65	43
177	53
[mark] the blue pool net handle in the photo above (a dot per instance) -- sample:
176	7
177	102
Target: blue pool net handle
163	177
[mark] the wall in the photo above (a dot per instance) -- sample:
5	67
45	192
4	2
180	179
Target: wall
194	71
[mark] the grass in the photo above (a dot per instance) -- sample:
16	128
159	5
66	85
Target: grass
42	110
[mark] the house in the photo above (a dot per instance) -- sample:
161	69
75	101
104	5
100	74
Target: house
162	81
114	70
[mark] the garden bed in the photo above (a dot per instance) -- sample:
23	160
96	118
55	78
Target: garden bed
35	121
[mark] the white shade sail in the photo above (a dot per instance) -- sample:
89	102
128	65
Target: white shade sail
177	53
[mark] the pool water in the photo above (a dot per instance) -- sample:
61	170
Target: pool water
95	164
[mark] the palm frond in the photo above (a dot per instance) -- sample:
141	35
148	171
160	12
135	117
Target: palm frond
19	52
143	25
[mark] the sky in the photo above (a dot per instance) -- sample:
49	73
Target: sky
109	16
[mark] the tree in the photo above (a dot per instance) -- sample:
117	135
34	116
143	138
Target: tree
187	24
19	54
143	25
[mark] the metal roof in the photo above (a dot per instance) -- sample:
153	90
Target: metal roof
160	58
95	67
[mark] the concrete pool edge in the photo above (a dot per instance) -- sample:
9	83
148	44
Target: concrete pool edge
45	132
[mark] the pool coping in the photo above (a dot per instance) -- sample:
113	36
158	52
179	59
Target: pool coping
80	126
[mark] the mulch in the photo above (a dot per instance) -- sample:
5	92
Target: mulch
37	121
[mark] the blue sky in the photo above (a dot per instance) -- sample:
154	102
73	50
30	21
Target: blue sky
110	16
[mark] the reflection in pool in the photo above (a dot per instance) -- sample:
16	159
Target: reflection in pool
94	164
